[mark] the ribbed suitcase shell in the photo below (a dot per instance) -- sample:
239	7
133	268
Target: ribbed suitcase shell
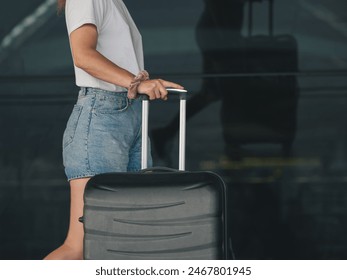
155	215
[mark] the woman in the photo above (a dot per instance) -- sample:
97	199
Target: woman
103	133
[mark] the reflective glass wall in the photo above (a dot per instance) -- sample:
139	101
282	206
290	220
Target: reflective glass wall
267	111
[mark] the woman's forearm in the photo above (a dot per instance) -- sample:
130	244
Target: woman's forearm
95	64
83	43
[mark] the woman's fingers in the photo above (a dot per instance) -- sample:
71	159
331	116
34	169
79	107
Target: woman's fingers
157	93
168	84
156	89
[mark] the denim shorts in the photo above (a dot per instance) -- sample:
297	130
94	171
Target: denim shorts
103	134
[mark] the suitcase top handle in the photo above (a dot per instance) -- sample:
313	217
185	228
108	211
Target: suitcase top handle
182	131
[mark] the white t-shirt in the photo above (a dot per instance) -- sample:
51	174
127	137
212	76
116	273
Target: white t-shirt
118	37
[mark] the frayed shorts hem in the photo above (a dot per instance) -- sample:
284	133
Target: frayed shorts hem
81	176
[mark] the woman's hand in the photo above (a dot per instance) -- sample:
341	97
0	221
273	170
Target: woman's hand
156	88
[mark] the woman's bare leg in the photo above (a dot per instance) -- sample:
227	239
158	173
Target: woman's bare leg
72	249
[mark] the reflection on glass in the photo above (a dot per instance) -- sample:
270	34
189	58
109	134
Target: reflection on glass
260	104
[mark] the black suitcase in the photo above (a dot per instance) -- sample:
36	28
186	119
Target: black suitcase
263	104
158	213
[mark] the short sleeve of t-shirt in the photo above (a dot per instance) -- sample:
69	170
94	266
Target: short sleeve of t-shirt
118	40
80	12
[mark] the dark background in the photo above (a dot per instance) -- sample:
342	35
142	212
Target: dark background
268	115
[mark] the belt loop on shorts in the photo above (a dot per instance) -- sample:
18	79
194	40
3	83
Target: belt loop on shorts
83	91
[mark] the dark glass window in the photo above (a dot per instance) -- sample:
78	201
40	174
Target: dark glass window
266	110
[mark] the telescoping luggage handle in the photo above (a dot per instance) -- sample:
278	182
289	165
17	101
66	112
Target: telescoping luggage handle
182	131
250	16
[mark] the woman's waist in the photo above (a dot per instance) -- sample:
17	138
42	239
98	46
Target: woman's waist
98	91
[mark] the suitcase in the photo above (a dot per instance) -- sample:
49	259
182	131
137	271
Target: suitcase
263	105
157	213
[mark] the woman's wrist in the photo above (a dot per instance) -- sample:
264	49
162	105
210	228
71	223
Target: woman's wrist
140	77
